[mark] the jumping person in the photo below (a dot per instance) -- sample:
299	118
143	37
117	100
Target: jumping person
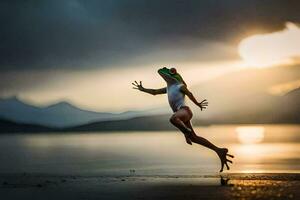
176	90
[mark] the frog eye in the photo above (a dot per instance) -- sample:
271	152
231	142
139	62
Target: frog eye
173	71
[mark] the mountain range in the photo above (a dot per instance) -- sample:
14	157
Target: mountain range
58	115
14	127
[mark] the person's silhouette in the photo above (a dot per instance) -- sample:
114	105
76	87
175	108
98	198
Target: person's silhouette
176	90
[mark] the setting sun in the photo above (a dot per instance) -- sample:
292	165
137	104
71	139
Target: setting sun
276	48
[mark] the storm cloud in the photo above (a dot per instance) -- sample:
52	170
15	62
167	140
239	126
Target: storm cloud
76	34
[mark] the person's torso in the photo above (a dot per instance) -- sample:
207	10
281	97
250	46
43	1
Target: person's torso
175	96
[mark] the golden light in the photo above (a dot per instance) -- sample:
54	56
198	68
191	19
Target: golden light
250	135
284	88
275	48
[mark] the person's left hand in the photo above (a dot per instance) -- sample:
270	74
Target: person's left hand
203	104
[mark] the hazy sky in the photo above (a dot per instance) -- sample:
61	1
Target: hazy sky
88	52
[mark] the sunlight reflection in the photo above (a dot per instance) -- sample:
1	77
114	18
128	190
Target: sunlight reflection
250	151
250	135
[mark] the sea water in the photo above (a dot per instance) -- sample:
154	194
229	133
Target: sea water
257	148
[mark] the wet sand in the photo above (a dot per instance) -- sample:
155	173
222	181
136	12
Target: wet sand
229	186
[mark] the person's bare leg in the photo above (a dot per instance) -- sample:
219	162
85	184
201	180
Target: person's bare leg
185	130
181	119
200	140
222	152
178	119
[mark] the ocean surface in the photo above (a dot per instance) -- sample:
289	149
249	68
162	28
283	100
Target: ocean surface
257	148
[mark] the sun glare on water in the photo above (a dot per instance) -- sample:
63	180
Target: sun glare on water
250	135
271	49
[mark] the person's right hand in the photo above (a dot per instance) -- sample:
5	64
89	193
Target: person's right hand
203	104
138	86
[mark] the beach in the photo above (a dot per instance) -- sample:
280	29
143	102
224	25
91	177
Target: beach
228	186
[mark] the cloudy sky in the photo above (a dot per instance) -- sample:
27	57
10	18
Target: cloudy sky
88	52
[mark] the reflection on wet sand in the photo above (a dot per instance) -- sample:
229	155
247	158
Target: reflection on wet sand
227	186
263	189
237	186
225	181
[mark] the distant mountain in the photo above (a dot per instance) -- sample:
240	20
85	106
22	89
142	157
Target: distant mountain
12	127
147	123
62	114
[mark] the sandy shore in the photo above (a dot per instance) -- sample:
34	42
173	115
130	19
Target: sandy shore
229	186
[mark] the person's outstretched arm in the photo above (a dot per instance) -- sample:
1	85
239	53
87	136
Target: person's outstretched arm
150	91
203	104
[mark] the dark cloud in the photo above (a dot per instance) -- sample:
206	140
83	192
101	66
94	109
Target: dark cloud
79	33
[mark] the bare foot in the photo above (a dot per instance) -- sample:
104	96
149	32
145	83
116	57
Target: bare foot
222	153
